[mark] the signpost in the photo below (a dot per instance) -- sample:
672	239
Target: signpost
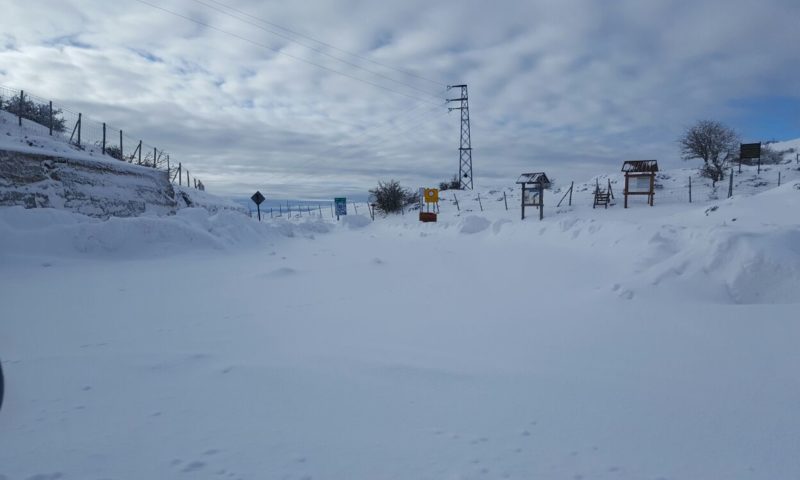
341	206
533	185
258	199
750	151
431	198
640	179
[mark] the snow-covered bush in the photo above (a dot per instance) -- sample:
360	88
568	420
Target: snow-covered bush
391	197
34	111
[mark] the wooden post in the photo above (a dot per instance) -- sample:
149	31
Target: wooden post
80	115
456	200
759	165
332	215
690	189
155	153
140	161
180	174
505	200
121	151
104	138
541	200
21	104
522	202
625	192
730	185
51	118
355	206
572	184
653	188
479	202
779	178
187	179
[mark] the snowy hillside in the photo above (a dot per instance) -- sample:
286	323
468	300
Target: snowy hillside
648	343
42	171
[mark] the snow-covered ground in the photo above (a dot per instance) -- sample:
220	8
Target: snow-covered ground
647	343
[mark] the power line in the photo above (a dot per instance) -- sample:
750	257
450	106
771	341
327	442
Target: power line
384	126
315	49
280	52
418	123
308	37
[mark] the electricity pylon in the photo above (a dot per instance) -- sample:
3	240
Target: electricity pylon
465	150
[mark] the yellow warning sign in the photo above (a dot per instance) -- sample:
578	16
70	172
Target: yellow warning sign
431	195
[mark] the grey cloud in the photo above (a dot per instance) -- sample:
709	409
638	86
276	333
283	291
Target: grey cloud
571	83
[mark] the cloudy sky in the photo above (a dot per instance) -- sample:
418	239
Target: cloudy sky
309	99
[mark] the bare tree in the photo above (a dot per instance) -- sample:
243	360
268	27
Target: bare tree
713	142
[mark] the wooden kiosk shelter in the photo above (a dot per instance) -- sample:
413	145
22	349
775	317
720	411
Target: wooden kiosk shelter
640	179
533	185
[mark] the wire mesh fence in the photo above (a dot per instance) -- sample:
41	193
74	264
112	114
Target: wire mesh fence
89	135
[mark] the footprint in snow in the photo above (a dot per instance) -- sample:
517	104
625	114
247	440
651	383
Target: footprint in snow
626	295
280	273
46	476
193	467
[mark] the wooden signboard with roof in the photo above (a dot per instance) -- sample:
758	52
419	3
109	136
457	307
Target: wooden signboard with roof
640	179
533	185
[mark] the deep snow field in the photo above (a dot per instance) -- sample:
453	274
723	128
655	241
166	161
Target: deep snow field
647	343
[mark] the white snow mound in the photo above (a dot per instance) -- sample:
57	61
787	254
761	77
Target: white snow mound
474	224
729	265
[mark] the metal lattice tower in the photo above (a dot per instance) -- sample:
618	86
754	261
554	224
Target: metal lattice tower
465	150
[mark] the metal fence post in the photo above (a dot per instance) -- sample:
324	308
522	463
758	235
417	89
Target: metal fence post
154	157
80	115
690	189
104	138
779	179
51	118
505	200
121	151
21	103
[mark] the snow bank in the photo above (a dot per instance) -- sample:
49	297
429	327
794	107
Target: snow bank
356	221
192	197
42	171
60	233
725	264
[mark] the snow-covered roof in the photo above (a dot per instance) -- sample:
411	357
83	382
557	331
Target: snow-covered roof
640	166
533	178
